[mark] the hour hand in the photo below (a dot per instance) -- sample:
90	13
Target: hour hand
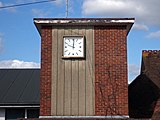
68	44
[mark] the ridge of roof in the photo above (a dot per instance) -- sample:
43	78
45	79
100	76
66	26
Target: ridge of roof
151	53
84	18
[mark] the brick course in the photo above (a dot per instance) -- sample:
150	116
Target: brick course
45	77
111	86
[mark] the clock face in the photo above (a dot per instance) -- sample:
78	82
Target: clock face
73	46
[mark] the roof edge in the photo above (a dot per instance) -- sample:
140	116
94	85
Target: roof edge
84	21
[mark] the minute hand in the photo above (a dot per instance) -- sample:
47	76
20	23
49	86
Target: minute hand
73	44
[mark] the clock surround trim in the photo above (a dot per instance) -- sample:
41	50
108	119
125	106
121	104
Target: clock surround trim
83	47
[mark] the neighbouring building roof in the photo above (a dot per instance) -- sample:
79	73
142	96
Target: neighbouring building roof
19	87
128	22
143	94
144	91
151	65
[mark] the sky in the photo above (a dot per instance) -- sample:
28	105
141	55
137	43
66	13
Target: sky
20	41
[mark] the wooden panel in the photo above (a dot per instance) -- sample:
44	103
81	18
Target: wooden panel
74	88
60	85
89	72
82	82
54	72
68	82
75	81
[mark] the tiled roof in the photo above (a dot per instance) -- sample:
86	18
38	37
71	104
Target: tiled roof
144	91
151	65
143	94
19	86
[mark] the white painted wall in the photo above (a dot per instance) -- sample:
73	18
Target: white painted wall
2	114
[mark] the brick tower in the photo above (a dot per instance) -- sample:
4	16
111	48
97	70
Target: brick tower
83	67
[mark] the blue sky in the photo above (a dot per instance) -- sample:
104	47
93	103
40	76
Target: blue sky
20	41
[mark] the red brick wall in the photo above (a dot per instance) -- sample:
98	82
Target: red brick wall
45	77
111	86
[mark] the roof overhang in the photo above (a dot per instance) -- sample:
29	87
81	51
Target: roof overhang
19	106
39	22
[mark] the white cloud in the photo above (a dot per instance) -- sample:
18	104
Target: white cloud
134	71
140	27
145	11
1	4
39	13
154	34
59	2
18	64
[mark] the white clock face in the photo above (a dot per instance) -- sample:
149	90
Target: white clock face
73	46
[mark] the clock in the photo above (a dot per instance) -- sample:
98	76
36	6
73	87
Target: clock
73	46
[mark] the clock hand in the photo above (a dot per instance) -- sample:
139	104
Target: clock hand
69	45
73	44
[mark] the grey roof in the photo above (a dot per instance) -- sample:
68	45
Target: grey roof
19	86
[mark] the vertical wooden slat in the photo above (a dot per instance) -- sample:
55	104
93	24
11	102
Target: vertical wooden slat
89	72
68	77
93	72
75	81
54	72
60	85
82	78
